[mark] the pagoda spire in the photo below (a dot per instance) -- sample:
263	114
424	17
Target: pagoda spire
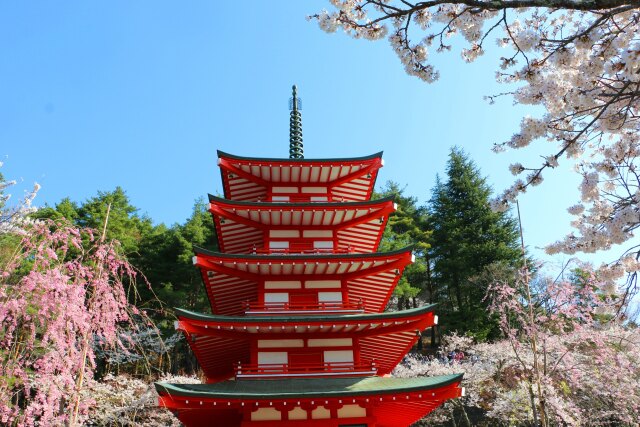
295	127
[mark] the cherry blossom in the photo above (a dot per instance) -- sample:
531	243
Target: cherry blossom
14	217
580	61
61	288
125	401
583	358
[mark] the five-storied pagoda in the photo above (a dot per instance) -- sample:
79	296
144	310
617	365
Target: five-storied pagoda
298	334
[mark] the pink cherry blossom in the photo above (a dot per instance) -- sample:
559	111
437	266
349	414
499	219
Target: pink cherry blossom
59	293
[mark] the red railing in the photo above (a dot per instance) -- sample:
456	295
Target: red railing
327	369
300	250
304	199
271	307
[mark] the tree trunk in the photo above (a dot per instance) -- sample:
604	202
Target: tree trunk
465	417
434	344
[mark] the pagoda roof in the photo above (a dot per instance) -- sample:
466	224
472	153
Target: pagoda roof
232	279
260	160
221	341
393	402
348	179
308	387
241	226
327	318
292	259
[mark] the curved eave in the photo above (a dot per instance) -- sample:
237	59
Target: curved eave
390	402
309	258
357	226
220	341
232	280
316	205
253	179
346	318
260	160
308	388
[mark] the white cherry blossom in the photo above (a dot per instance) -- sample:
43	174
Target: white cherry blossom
580	61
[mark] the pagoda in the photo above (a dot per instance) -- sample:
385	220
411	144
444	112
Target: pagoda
298	334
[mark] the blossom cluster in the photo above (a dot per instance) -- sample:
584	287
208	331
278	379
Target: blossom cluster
563	352
137	344
15	218
581	66
123	400
591	379
60	288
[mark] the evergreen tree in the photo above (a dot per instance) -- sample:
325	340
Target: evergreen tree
407	227
124	224
468	237
166	259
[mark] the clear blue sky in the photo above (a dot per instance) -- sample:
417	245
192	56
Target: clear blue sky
95	95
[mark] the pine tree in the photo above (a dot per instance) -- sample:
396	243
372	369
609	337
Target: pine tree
166	259
468	237
407	227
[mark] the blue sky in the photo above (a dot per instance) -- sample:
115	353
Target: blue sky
95	95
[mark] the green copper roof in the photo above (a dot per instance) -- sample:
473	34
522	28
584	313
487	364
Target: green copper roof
267	159
297	319
307	387
338	257
318	205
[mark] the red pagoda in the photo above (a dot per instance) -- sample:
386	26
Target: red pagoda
298	334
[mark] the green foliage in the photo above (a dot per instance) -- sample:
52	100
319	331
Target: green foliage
9	244
124	223
468	237
407	227
166	260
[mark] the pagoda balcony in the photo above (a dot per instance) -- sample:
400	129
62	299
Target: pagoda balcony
327	369
221	341
231	279
244	226
320	308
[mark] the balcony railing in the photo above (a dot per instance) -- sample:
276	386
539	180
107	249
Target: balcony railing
315	308
301	250
307	199
327	369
